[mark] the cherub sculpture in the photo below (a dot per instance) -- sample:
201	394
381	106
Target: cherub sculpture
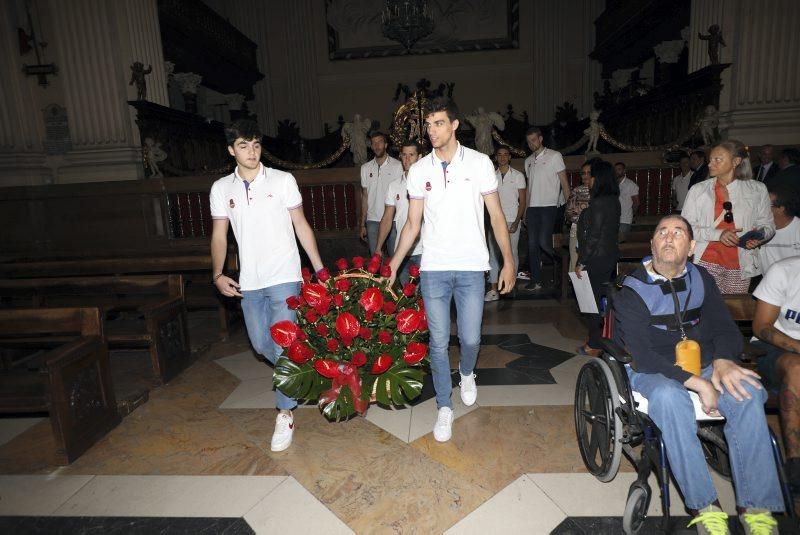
356	131
593	131
715	40
153	155
483	122
708	123
138	73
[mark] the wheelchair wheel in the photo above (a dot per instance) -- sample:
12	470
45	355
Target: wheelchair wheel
636	508
715	449
597	426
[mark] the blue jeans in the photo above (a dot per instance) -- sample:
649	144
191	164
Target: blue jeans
438	289
262	309
541	221
755	476
373	227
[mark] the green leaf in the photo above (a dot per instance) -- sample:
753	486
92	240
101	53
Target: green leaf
341	408
398	385
299	381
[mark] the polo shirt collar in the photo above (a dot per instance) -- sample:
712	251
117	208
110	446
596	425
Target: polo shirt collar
262	172
655	277
457	157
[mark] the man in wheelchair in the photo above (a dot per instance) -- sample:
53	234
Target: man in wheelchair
667	299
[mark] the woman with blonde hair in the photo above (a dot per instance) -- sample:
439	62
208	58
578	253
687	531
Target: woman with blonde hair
731	216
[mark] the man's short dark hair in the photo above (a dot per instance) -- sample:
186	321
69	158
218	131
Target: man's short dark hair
534	130
605	183
679	217
786	198
622	164
443	104
414	144
792	154
378	133
243	128
502	147
699	153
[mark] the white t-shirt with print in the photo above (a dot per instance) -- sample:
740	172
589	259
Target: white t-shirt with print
779	287
784	244
453	235
627	189
258	213
508	187
397	197
544	186
376	178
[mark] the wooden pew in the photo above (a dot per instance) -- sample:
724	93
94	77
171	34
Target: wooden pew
71	382
158	298
195	268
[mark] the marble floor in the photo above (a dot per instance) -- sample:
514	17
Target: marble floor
195	457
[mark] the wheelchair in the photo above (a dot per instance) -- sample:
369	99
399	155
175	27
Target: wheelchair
610	419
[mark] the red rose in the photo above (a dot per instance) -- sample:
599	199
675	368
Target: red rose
323	306
384	337
338	300
284	332
332	344
322	329
358	262
342	285
347	325
327	368
323	275
365	333
347	341
413	270
341	264
311	316
389	307
371	300
359	358
409	289
300	352
408	320
301	335
373	267
306	273
314	294
415	352
369	315
293	302
381	364
386	270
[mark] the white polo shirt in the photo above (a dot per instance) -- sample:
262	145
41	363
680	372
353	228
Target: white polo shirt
376	178
453	237
508	189
784	244
680	185
627	189
259	215
397	197
779	288
544	187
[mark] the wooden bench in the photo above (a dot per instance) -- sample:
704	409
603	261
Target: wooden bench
200	293
71	382
158	299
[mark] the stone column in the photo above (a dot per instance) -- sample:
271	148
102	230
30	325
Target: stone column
760	99
140	20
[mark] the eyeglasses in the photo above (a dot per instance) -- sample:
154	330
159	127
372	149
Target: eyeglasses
676	233
728	207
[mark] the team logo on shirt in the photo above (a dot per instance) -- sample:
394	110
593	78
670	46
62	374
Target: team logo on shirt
397	197
370	175
231	203
427	186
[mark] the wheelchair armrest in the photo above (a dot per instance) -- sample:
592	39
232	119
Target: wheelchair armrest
614	349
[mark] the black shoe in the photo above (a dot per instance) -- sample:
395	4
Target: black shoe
534	287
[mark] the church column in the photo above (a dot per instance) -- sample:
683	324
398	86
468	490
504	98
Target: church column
140	19
760	100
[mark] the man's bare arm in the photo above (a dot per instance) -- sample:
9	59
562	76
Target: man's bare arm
764	327
305	234
385	227
219	251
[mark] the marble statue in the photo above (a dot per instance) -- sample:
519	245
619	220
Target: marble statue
593	131
138	73
708	123
483	122
357	132
153	155
715	40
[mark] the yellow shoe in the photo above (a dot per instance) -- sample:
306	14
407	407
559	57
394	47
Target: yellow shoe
758	522
710	521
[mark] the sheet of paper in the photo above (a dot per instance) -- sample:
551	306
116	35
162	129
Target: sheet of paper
583	291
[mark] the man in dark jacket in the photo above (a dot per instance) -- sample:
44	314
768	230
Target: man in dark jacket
699	166
665	300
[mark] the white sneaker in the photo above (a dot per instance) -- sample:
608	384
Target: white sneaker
443	429
491	295
284	428
524	275
469	390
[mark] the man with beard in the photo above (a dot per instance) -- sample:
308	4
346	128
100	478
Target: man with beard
376	175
